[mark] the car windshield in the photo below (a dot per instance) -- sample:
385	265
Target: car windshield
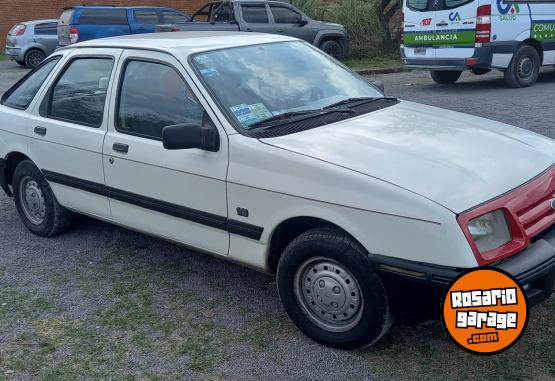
276	81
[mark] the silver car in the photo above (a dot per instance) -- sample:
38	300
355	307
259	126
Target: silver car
30	42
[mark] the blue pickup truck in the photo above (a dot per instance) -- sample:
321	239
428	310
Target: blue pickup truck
81	23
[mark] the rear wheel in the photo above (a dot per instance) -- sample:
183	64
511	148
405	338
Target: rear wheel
330	291
35	202
333	48
446	77
524	67
33	58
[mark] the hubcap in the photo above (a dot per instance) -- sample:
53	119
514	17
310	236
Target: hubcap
32	201
525	67
329	294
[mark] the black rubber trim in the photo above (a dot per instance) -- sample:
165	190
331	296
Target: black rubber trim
189	214
3	181
534	268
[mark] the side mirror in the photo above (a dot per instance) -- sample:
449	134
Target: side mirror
189	135
379	84
303	22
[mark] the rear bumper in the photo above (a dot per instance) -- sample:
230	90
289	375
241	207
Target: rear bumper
534	268
14	53
481	59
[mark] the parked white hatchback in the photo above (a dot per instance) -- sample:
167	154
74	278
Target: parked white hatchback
263	150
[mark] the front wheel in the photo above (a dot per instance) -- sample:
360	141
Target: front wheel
38	208
328	287
446	77
333	48
524	67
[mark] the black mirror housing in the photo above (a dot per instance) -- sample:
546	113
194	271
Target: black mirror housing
189	136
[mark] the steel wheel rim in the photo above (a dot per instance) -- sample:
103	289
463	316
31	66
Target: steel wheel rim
32	201
35	58
328	294
525	67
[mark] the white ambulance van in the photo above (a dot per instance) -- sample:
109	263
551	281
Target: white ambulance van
449	36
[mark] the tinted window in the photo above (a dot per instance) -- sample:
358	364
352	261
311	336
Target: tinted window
46	28
23	93
255	14
79	94
172	17
154	96
284	15
146	16
449	4
418	5
224	14
103	16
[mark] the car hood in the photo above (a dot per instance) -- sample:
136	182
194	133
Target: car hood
454	159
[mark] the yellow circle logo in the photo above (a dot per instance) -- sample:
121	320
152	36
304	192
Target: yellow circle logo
485	311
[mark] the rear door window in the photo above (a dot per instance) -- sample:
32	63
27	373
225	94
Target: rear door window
46	28
450	4
420	5
103	17
22	94
79	94
428	5
255	14
65	18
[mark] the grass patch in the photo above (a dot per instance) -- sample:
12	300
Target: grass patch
3	57
385	60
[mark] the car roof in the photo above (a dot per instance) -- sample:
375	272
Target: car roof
39	21
178	43
113	7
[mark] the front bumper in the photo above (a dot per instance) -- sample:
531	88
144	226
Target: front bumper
533	267
14	53
481	59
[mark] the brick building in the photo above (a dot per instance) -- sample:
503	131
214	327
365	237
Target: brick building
14	11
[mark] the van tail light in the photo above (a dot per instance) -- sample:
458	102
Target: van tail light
483	24
73	34
20	30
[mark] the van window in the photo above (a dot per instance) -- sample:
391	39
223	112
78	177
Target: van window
419	5
103	17
21	95
79	95
428	5
450	4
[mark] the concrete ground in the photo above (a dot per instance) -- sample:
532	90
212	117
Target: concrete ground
102	302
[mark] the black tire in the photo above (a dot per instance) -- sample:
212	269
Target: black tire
334	246
56	219
34	57
333	48
21	63
447	77
524	68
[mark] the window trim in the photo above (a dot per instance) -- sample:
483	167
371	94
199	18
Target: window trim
48	94
122	71
10	91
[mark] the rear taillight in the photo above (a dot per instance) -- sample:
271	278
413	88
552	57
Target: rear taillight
483	24
73	34
20	30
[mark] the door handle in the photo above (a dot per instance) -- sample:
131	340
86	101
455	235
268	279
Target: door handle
279	30
40	130
442	24
121	148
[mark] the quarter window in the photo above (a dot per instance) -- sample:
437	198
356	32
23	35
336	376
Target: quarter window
21	95
153	96
79	95
283	15
255	14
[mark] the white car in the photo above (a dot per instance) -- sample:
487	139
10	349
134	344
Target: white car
265	151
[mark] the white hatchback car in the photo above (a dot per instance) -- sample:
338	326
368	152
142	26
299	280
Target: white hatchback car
265	151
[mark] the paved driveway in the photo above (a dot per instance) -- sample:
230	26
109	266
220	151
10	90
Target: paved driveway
101	302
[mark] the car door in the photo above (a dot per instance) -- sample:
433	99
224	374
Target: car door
255	17
67	130
176	194
419	25
145	20
46	34
290	22
456	28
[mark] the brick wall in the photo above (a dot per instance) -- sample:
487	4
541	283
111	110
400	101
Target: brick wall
14	11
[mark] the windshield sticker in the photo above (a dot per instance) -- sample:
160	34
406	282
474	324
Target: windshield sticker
210	72
250	114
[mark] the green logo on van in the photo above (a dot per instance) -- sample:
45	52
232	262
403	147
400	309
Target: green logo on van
543	30
437	38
